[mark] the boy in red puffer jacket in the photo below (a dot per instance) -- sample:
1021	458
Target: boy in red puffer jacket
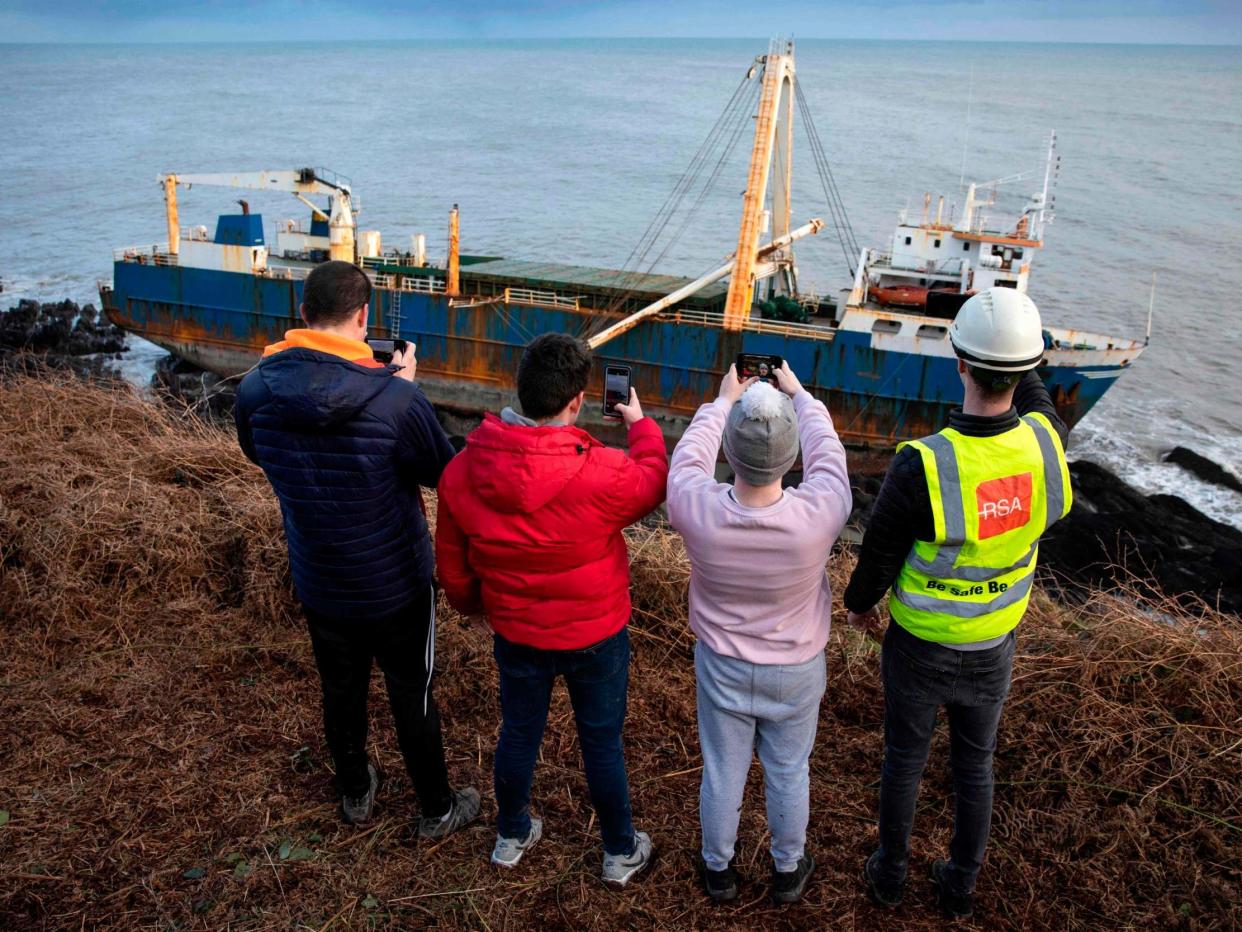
529	534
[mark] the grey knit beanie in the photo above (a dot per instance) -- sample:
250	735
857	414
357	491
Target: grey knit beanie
761	435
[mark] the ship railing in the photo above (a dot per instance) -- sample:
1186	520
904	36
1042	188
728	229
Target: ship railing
197	234
375	262
145	255
421	284
751	325
289	273
541	298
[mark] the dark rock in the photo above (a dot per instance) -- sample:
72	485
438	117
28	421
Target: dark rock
1114	535
203	392
1203	467
60	329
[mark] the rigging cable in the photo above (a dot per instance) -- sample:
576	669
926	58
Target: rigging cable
836	204
725	125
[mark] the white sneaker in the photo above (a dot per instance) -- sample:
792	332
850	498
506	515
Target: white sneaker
620	869
509	851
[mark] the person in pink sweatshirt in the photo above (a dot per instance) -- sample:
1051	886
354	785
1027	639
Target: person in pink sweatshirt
760	607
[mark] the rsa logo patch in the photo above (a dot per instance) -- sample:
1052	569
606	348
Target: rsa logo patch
1004	504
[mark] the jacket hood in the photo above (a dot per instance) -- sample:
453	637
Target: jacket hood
318	389
519	469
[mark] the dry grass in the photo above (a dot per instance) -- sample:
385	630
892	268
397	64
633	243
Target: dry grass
162	749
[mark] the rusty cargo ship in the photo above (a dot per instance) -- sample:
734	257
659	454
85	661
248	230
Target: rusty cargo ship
879	357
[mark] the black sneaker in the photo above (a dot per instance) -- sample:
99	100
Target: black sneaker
887	895
955	905
357	809
721	886
788	886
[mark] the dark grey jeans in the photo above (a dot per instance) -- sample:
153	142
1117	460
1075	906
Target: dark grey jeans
919	678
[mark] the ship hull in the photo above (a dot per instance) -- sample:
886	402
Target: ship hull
880	388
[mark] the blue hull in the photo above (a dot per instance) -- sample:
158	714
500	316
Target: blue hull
468	352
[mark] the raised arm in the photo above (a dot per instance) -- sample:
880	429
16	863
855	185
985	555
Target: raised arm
643	477
824	472
1030	396
694	459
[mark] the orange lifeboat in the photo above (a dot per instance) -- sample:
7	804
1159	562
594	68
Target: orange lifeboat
914	296
899	295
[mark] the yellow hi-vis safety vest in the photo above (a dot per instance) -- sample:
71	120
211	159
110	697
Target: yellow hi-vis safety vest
992	498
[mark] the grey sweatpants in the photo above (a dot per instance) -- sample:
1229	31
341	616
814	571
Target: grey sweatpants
747	707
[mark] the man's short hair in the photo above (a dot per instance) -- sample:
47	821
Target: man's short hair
333	292
993	385
554	368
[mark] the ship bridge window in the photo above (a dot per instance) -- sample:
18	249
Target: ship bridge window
907	241
1004	283
931	332
936	244
1017	253
965	247
886	326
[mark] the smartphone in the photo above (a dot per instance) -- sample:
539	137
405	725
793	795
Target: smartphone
616	390
383	350
758	365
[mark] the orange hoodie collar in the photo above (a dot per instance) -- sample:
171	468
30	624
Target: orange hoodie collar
324	342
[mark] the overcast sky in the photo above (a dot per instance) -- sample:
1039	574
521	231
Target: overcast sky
1145	21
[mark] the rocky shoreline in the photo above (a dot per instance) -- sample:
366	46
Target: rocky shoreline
62	335
1115	537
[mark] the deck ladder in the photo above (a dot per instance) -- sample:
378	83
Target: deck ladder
394	315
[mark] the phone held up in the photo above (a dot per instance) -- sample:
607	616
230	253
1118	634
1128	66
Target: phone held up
383	350
616	390
758	365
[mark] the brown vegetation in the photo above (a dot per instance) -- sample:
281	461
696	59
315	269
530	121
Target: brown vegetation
162	761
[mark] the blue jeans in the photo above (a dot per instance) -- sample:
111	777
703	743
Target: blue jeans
919	677
597	678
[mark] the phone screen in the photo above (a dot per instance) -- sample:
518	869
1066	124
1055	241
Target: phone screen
382	350
616	389
760	365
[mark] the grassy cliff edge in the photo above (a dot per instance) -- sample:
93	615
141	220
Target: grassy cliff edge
162	761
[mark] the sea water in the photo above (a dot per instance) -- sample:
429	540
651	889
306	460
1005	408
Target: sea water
565	150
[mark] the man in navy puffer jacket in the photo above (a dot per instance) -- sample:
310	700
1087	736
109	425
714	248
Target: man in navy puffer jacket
348	444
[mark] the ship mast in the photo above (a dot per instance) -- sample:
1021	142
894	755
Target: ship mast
772	122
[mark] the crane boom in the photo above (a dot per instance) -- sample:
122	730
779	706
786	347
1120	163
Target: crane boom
300	182
629	323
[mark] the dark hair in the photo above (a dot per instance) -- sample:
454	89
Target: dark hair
553	369
992	384
333	292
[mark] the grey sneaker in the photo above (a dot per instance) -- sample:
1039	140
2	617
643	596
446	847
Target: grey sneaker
465	809
620	869
509	851
356	810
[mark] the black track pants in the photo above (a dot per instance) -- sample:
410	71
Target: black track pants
403	645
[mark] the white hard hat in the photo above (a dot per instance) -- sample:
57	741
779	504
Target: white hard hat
999	329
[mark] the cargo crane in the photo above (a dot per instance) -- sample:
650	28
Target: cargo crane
302	183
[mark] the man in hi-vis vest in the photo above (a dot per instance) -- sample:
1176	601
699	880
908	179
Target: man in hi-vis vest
953	539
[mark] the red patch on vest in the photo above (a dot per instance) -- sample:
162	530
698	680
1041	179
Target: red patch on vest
1004	504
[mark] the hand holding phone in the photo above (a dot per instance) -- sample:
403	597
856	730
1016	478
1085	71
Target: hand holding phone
616	390
758	366
383	350
732	387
